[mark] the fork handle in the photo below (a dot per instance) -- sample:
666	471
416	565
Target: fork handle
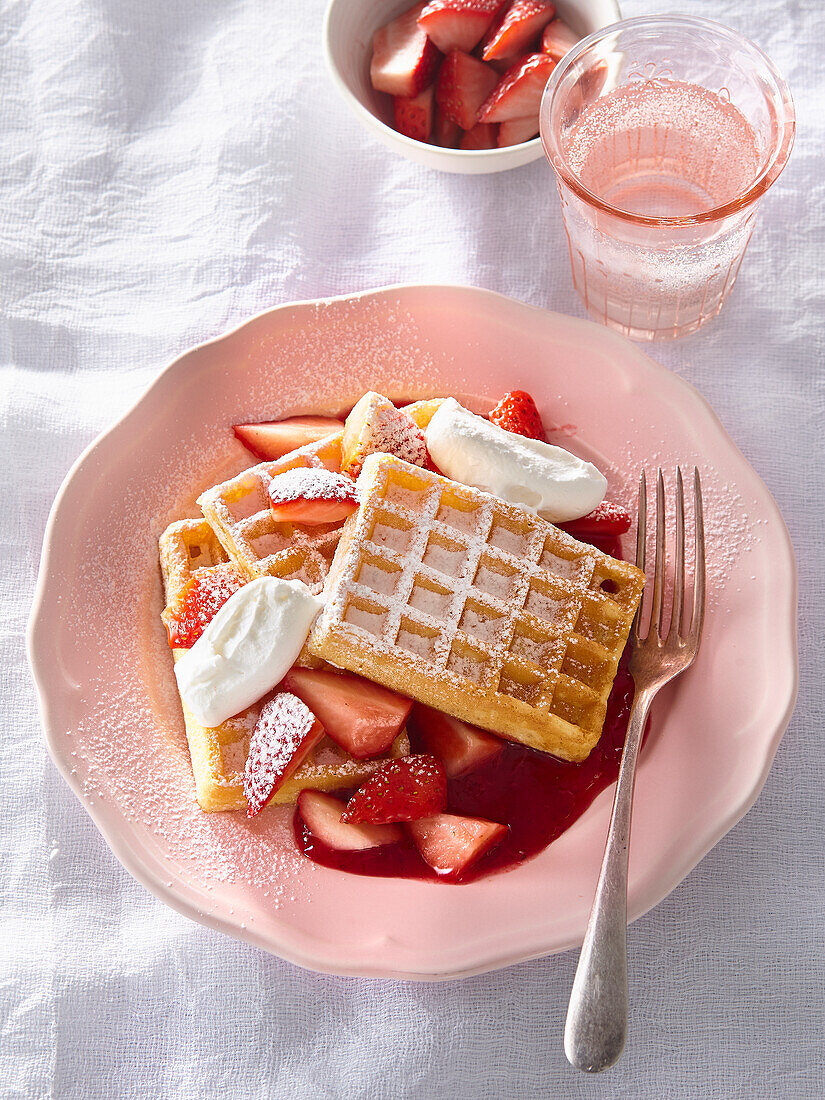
596	1027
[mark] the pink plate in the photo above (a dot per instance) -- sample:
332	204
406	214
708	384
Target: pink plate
104	675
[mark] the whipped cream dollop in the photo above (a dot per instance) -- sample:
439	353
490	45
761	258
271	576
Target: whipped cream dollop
534	475
247	649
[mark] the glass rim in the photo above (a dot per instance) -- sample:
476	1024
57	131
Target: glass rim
786	121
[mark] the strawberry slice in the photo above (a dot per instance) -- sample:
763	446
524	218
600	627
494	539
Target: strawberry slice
451	844
360	716
464	83
500	67
198	602
376	425
512	35
401	790
446	133
458	24
482	136
517	412
558	39
459	746
286	731
404	60
321	814
517	130
310	495
278	437
518	93
605	520
414	117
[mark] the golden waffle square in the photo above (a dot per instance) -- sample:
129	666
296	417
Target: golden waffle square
478	608
238	511
219	754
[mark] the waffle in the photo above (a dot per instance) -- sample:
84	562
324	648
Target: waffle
219	754
478	608
238	512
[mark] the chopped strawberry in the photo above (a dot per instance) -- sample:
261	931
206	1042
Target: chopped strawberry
310	495
446	133
513	33
517	130
459	746
518	93
517	412
321	813
606	519
414	117
404	60
284	734
458	24
464	83
558	39
482	136
500	67
198	602
450	844
360	716
278	437
376	425
401	790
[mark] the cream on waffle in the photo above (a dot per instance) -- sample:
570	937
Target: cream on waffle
219	754
239	513
477	608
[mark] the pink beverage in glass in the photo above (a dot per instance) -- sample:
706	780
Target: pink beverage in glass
664	133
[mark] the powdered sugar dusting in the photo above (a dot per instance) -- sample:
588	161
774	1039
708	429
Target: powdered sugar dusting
431	601
731	535
482	623
339	351
400	790
376	425
396	434
280	740
128	748
124	738
495	582
239	511
240	514
531	575
200	602
417	641
308	483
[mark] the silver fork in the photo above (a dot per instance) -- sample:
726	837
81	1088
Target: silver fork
596	1027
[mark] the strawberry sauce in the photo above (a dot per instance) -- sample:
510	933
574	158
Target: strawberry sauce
535	795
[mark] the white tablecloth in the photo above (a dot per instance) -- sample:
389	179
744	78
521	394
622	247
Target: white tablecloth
167	169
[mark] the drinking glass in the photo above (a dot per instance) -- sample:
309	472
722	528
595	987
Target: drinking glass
664	134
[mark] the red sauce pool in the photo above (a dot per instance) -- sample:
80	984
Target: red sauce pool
537	796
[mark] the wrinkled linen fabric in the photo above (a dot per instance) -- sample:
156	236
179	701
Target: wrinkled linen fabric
166	170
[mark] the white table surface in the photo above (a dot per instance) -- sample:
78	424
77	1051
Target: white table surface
166	170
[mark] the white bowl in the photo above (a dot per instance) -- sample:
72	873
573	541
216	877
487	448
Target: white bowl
348	29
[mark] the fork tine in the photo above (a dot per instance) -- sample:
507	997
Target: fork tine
641	537
699	571
679	572
641	526
656	611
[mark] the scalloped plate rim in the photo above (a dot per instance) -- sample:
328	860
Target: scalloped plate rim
295	952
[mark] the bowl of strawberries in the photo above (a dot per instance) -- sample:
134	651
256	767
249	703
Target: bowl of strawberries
455	84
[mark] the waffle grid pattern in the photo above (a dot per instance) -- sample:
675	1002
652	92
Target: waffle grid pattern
478	608
238	511
219	754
